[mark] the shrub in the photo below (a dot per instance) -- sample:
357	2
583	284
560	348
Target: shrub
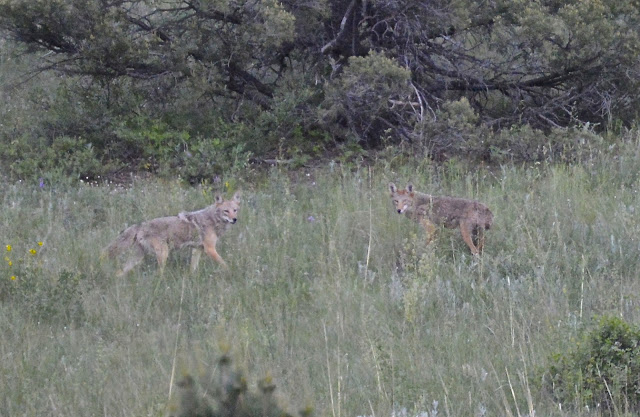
453	130
25	283
169	151
524	143
60	158
361	99
226	395
602	370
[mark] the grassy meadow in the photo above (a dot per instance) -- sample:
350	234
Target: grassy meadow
329	291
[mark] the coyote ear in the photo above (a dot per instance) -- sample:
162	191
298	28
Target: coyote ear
410	187
219	199
392	187
237	196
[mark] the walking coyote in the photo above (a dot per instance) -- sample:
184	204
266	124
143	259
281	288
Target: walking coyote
196	229
471	216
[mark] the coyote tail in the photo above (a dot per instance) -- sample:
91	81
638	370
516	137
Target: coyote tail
122	242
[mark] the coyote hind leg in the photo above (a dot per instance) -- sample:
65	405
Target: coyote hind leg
161	249
136	257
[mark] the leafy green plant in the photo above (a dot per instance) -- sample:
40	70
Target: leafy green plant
207	158
453	131
169	151
226	395
602	369
157	140
18	265
58	159
362	98
524	143
26	284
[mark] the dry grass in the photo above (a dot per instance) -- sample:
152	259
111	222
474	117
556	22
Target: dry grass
329	290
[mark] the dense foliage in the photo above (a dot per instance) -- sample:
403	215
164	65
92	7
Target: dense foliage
602	369
168	84
225	394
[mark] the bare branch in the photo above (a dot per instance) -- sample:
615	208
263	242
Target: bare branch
342	33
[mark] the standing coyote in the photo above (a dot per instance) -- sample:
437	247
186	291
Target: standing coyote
471	216
196	229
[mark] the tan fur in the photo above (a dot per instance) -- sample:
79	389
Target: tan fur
471	216
198	230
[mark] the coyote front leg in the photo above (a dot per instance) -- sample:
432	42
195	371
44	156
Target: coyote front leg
478	237
465	230
209	243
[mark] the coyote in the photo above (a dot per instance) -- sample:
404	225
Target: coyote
196	229
471	216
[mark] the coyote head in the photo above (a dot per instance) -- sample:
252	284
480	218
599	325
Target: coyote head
228	209
402	199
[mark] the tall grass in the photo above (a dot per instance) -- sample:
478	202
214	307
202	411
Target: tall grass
329	291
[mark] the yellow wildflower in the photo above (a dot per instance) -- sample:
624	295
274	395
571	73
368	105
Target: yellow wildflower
40	243
226	185
8	248
10	263
33	251
13	277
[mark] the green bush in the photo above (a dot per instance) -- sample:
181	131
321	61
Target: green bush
25	283
453	131
289	128
456	131
524	143
359	106
171	151
61	158
226	395
602	370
